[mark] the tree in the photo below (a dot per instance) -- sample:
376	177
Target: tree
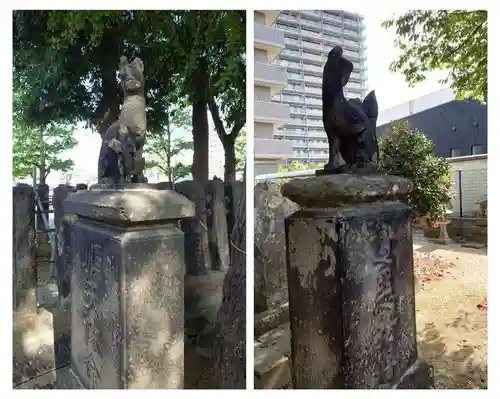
69	60
216	77
38	146
161	149
452	40
408	153
240	148
295	166
42	148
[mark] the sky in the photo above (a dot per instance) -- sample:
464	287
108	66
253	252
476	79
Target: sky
390	88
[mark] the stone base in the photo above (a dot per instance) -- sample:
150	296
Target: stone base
271	319
419	376
441	241
202	300
272	368
33	353
62	333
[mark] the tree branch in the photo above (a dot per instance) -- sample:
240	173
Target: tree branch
466	40
214	111
237	127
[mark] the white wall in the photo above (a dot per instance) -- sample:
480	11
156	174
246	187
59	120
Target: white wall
474	180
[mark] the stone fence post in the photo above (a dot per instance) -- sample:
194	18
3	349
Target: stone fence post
127	287
23	248
350	279
271	209
63	237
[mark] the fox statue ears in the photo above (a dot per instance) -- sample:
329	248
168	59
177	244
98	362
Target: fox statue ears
137	62
370	106
335	53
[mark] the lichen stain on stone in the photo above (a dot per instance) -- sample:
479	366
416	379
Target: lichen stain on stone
304	250
328	243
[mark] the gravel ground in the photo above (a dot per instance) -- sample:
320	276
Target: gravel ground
452	313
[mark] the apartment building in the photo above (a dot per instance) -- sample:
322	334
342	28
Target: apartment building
269	80
309	36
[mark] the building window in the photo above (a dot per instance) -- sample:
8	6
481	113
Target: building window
454	152
477	149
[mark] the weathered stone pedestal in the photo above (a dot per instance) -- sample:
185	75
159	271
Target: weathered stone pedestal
31	340
62	315
350	278
127	288
443	238
196	233
271	209
63	238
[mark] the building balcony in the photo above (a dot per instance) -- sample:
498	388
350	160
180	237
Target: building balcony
311	24
272	149
313	58
321	146
270	16
332	18
272	76
270	112
316	134
312	13
295	77
287	18
269	39
311	35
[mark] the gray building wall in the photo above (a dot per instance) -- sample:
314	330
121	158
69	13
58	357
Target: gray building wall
457	128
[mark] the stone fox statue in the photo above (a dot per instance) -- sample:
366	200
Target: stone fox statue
349	124
120	159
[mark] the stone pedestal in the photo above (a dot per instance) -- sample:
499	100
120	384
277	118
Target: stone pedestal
351	284
217	225
444	238
62	316
127	290
196	232
63	236
23	248
233	191
271	209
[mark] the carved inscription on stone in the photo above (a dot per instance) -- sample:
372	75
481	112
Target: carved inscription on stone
91	314
385	309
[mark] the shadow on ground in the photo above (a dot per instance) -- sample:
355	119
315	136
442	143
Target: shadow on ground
454	368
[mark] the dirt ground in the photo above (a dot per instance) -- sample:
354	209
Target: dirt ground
452	329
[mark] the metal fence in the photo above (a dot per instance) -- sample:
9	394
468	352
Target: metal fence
468	188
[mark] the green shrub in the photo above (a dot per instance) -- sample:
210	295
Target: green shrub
409	153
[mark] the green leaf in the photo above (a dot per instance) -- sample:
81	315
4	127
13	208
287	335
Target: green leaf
455	41
408	153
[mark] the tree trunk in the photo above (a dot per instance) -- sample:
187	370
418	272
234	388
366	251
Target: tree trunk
229	158
199	169
169	149
109	107
229	360
42	171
